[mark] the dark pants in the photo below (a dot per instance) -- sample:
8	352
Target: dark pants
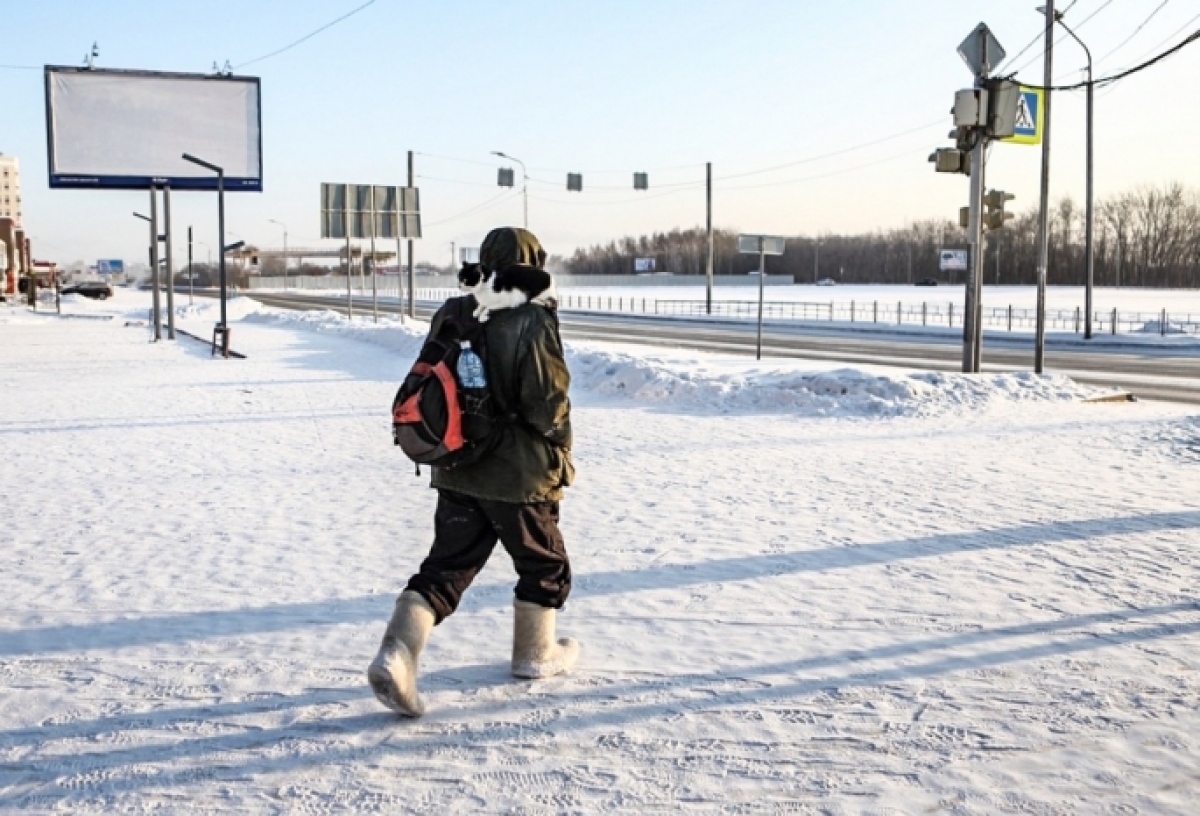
465	533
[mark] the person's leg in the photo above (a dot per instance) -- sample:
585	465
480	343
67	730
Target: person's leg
464	537
530	534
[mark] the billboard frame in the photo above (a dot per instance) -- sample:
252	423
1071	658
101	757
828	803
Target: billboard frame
76	181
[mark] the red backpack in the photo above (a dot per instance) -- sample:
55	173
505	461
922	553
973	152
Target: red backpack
444	415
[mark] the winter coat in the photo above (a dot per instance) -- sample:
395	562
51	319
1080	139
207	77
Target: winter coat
528	379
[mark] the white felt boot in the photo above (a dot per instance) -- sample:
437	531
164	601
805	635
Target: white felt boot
535	652
393	672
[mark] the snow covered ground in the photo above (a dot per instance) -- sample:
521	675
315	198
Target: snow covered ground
800	587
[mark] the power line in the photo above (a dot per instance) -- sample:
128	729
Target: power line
22	67
1145	22
485	205
305	37
1031	43
1108	80
1064	37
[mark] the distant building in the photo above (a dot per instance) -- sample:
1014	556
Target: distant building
10	188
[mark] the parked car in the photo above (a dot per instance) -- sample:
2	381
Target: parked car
826	282
99	290
927	282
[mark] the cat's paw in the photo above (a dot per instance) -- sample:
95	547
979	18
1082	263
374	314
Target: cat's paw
481	313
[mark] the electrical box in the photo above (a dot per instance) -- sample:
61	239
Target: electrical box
970	107
1003	97
964	217
949	160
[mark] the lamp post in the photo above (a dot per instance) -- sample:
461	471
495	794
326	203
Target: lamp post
524	181
220	171
285	254
1089	249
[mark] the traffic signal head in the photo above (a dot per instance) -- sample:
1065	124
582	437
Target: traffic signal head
993	202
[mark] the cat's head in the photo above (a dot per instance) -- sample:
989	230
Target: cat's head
472	276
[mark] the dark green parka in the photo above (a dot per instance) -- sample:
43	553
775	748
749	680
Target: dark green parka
527	375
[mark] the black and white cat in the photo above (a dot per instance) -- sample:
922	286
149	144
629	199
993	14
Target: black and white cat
513	287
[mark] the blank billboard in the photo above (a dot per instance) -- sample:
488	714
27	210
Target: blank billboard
130	129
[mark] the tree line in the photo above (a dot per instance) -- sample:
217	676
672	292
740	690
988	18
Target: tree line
1148	237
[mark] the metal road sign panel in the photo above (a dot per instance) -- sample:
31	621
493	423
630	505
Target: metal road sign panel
981	52
1030	103
953	260
385	212
766	244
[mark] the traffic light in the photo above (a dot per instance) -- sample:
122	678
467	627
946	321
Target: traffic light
504	177
994	216
575	182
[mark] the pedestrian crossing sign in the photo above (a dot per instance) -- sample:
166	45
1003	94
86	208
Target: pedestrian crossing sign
1030	107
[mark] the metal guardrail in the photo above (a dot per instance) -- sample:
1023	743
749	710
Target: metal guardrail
896	313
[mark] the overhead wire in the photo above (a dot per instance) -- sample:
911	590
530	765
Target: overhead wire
1064	37
478	208
1136	31
1036	38
1109	80
306	37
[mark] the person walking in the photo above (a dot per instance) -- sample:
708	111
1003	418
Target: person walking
510	496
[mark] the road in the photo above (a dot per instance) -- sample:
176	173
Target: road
1147	372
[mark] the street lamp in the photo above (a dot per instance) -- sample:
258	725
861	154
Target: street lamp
1088	246
285	255
156	315
524	181
223	328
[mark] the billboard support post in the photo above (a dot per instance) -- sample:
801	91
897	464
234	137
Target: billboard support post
170	265
157	310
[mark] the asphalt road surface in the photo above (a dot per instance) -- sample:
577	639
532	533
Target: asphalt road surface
1146	372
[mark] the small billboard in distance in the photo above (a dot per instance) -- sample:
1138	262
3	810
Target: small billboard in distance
130	129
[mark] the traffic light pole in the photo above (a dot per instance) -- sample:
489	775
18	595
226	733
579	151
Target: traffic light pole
971	333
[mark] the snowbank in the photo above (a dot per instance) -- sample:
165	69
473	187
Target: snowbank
711	383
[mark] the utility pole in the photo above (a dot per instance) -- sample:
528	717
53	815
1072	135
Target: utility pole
816	259
1043	238
412	303
708	264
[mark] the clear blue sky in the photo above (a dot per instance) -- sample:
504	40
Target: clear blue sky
604	89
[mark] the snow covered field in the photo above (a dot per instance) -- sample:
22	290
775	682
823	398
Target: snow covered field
800	588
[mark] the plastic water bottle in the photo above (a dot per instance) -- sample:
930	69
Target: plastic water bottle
470	369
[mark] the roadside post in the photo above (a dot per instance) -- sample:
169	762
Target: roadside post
762	245
989	110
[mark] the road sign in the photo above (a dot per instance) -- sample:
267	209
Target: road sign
981	50
1030	103
766	244
953	260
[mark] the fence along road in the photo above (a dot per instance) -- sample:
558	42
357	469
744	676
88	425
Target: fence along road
1171	374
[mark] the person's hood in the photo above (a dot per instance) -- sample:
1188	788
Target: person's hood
511	246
